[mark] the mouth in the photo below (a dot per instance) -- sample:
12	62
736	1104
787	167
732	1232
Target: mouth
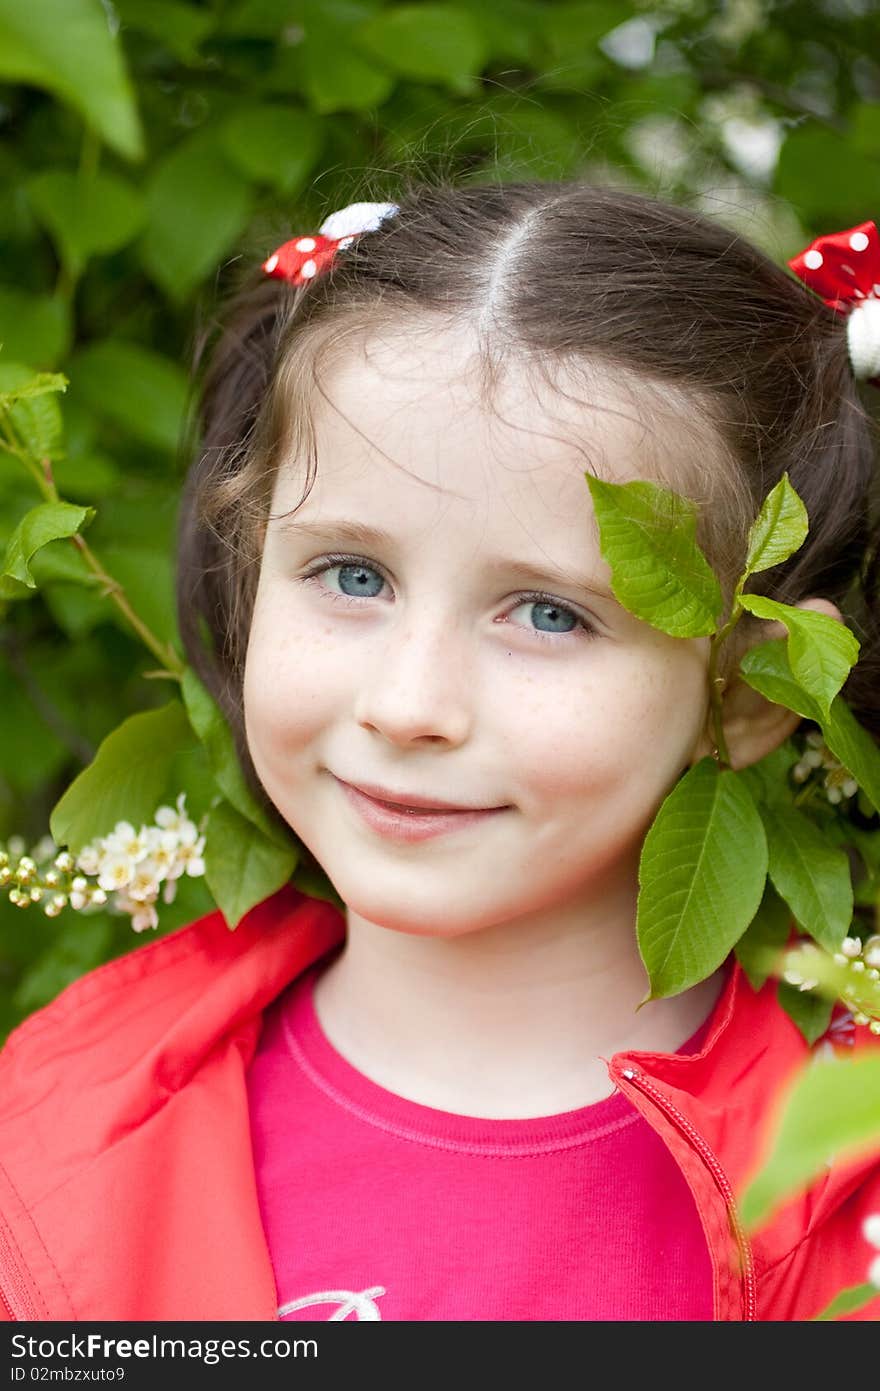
404	823
413	805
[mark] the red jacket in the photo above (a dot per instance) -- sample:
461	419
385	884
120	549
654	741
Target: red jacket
127	1185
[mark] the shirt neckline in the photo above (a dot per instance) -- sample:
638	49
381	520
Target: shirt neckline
304	1040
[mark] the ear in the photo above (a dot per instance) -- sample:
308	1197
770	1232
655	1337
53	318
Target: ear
753	725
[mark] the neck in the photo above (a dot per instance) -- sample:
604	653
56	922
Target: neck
511	1021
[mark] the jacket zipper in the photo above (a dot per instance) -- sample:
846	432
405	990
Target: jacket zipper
720	1177
13	1291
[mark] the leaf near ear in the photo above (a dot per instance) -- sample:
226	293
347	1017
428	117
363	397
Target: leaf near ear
822	651
810	874
779	529
759	949
767	670
702	873
658	572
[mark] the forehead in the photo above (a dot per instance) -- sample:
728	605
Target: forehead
421	419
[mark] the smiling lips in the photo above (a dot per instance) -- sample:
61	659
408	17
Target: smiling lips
412	804
408	823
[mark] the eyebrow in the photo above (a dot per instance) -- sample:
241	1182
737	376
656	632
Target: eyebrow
360	534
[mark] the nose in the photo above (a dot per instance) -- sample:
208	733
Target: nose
419	686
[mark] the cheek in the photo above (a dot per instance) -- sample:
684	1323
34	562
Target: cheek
623	731
288	681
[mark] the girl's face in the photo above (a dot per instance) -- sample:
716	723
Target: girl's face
466	648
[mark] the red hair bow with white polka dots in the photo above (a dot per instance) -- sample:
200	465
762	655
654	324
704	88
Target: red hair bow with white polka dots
302	258
844	268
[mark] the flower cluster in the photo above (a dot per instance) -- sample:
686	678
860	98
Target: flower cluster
838	782
853	973
131	866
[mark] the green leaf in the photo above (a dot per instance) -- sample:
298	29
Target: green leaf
335	77
242	866
146	573
35	329
779	530
47	522
181	28
767	780
135	387
37	419
758	949
821	650
58	561
701	876
40	384
811	1012
647	536
86	476
832	1110
811	875
209	723
426	42
311	878
85	217
197	208
276	144
766	668
66	46
257	19
571	33
77	611
865	126
510	28
125	781
849	183
856	1297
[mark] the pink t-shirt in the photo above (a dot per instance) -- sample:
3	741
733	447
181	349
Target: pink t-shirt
376	1207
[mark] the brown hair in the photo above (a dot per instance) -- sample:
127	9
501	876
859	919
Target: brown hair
556	273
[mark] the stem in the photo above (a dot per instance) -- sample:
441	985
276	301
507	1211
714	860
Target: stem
112	589
806	794
12	444
716	683
164	652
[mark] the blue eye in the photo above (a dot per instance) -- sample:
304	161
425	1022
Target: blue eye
354	577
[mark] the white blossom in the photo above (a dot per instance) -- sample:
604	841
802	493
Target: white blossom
839	784
116	872
169	818
125	840
131	866
89	859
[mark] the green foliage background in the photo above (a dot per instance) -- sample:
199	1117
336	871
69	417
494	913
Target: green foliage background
147	146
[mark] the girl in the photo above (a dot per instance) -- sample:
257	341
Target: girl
440	1102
